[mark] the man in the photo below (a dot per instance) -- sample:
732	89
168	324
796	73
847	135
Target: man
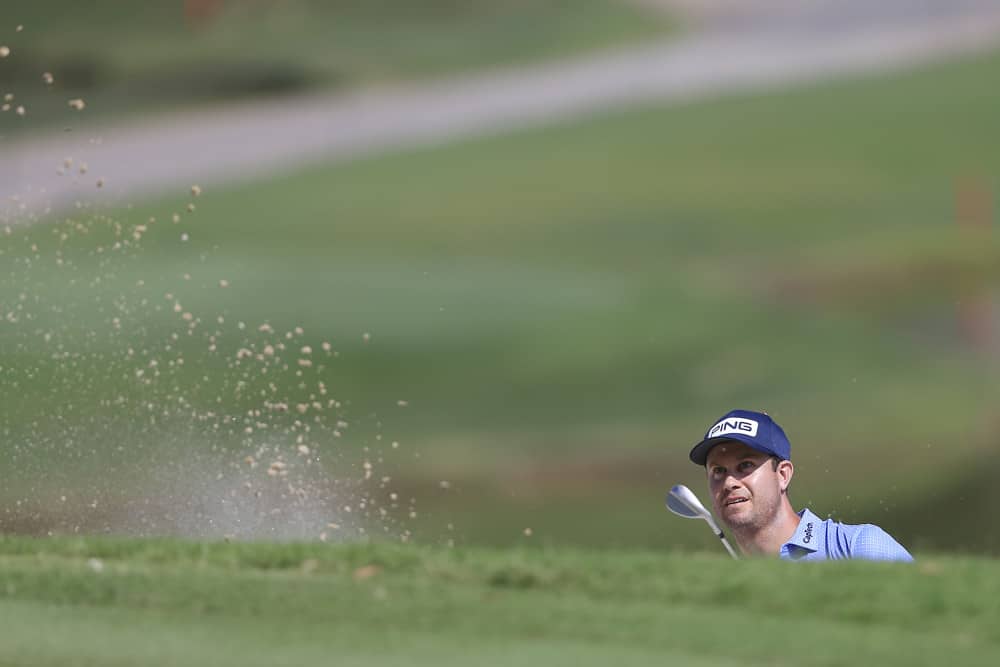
748	460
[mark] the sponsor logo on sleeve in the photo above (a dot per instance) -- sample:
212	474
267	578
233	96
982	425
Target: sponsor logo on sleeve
730	426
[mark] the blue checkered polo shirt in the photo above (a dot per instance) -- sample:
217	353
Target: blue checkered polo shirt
816	539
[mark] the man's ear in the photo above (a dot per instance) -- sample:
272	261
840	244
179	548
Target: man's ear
785	471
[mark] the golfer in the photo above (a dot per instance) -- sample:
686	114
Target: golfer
748	460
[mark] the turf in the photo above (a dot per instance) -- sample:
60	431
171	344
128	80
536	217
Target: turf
109	602
564	309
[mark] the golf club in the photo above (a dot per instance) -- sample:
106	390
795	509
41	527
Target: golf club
682	502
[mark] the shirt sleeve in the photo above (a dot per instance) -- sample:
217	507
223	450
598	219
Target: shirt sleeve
873	543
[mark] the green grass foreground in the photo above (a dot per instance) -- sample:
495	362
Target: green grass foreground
130	602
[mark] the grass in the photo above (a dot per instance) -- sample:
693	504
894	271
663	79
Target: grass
166	603
128	61
553	303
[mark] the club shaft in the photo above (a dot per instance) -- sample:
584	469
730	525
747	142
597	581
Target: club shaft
726	544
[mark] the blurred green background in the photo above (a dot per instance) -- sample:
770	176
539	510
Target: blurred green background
544	320
176	52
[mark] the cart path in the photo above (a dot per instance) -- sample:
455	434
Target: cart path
730	54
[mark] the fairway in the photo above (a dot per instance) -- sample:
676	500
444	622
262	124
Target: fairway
178	603
547	320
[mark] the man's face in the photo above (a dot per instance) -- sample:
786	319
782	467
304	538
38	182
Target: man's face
746	489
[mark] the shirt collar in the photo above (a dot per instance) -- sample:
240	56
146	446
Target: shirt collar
807	534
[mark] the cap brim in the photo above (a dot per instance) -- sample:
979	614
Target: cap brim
699	454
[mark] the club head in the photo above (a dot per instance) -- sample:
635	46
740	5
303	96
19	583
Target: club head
682	502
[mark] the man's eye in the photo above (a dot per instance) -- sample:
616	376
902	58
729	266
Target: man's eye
746	465
718	471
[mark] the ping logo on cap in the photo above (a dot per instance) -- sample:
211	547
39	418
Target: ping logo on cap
733	425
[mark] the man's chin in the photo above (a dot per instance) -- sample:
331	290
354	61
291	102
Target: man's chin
736	516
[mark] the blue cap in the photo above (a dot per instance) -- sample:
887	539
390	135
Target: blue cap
754	429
